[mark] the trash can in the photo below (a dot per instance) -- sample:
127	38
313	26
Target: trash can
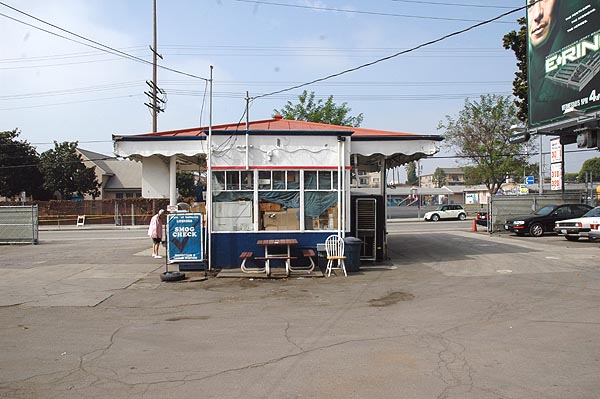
352	252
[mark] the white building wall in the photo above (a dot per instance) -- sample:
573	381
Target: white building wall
155	178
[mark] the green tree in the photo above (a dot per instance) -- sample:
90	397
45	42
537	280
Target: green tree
19	166
439	177
480	136
186	184
592	166
517	42
411	174
64	171
307	109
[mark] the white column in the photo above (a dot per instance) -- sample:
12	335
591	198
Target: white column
173	180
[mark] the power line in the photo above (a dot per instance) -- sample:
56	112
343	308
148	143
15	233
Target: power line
455	33
102	47
270	3
452	4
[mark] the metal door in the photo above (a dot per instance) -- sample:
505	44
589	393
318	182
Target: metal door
366	227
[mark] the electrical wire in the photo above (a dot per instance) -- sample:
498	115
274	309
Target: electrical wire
102	47
429	43
270	3
452	4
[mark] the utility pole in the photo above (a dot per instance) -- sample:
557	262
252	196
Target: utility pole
154	77
155	103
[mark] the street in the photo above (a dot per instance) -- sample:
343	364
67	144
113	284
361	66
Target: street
453	314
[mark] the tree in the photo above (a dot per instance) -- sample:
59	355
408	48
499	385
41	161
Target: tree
64	171
439	177
19	166
186	184
480	135
592	166
517	42
411	174
323	112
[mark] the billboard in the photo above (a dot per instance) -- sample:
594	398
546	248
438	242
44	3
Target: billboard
563	57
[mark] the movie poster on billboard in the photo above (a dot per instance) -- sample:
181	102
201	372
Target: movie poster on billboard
184	237
563	43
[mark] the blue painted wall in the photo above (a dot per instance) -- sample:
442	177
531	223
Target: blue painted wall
227	247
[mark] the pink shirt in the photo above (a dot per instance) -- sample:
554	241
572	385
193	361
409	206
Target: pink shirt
155	229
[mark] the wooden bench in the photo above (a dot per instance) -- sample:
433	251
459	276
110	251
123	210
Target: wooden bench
245	256
307	253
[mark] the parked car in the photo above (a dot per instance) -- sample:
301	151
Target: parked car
594	231
572	229
446	212
542	220
483	218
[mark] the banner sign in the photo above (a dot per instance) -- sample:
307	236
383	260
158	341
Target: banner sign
563	57
184	235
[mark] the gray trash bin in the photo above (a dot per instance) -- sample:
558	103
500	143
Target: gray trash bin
352	252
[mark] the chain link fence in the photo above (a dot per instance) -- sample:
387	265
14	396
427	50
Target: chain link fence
19	224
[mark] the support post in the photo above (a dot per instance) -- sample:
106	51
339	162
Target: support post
173	180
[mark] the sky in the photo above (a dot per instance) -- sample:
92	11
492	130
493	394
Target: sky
55	89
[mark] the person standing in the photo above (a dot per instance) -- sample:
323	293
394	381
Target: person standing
155	231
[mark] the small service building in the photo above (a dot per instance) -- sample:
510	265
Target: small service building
277	179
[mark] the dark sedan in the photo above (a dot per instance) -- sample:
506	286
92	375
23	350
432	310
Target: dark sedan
542	220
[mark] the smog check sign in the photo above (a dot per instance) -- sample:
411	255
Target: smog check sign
184	237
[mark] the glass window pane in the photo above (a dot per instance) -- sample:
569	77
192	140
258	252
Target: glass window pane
293	180
278	180
264	180
233	180
310	180
335	180
325	180
218	181
247	180
320	210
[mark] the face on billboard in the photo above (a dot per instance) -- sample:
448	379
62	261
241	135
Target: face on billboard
541	20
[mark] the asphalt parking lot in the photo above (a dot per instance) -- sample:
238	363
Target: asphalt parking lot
452	314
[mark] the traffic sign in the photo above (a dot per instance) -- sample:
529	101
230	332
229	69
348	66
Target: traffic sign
519	138
529	180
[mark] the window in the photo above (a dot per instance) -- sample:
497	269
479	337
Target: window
279	205
233	193
320	200
278	200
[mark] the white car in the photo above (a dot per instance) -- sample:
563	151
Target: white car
446	212
594	233
573	229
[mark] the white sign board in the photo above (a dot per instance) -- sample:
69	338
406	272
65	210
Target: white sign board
556	179
555	150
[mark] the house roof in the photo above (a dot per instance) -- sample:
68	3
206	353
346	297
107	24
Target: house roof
97	159
123	174
278	124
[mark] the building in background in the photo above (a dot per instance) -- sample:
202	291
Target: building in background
118	178
454	177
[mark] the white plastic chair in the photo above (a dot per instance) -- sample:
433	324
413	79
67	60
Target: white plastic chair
334	247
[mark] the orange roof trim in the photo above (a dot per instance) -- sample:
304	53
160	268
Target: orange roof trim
280	124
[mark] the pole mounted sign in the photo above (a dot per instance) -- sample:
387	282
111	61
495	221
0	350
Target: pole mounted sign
518	138
185	237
